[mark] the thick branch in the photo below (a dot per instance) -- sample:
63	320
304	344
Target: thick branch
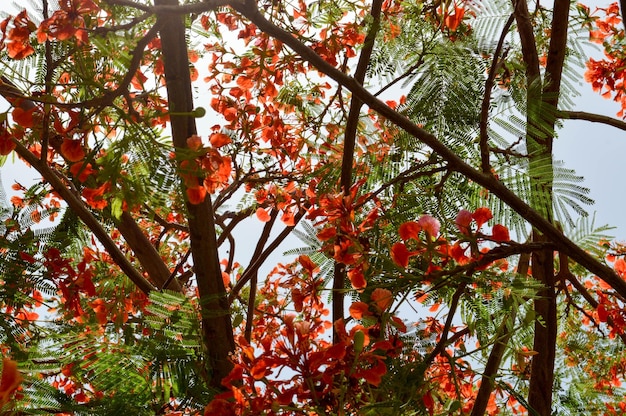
349	143
146	253
455	162
78	207
527	39
594	118
173	9
143	249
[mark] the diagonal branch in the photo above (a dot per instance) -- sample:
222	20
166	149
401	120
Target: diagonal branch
496	187
484	109
143	249
78	207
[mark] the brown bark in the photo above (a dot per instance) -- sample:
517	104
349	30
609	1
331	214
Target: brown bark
216	320
339	274
546	326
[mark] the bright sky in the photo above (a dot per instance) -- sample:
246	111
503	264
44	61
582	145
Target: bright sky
598	153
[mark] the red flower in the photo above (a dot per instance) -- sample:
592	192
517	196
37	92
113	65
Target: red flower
288	218
24	118
452	21
400	255
262	215
6	142
500	233
219	140
359	309
94	197
72	150
19	45
82	171
458	253
481	216
67	22
357	279
11	379
196	194
382	298
408	230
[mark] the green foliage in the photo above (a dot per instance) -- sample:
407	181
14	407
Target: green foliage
143	373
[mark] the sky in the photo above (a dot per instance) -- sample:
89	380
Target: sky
598	153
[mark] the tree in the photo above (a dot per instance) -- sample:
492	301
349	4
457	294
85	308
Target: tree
434	221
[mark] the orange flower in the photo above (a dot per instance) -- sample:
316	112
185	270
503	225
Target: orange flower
82	171
219	139
95	198
262	215
196	194
23	118
500	233
400	255
19	44
382	298
453	21
409	229
359	309
288	218
481	216
357	279
6	143
72	150
11	379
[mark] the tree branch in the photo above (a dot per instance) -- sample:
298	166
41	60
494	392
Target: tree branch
594	118
217	330
349	143
143	249
484	109
78	207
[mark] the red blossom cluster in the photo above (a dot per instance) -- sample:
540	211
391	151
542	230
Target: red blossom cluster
71	281
288	362
606	75
208	170
438	250
65	23
341	232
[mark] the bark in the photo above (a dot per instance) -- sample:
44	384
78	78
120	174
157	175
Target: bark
216	320
546	326
339	274
541	117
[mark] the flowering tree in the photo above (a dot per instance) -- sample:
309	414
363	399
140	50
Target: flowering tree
448	264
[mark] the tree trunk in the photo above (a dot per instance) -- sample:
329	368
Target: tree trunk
216	320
